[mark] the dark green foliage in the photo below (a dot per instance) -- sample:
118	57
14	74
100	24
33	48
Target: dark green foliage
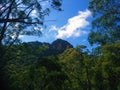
77	66
28	66
106	21
17	18
107	69
105	32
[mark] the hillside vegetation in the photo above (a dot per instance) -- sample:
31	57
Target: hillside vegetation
59	66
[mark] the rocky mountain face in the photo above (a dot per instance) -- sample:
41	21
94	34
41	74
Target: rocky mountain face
56	47
59	46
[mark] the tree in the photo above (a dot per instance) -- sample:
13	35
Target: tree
71	67
20	17
107	69
105	25
111	65
25	70
77	65
105	32
17	15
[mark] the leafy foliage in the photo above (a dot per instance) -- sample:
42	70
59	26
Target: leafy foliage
106	25
28	66
23	17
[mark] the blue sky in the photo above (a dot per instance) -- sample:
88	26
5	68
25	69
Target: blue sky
72	24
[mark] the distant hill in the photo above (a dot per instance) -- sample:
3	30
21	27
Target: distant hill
56	47
36	44
59	46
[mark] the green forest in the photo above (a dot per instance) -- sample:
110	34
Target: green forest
59	65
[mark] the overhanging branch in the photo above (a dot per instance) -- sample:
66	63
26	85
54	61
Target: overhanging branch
19	20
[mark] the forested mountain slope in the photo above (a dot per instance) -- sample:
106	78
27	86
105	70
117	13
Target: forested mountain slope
59	66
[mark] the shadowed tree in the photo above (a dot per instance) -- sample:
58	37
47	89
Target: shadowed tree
107	70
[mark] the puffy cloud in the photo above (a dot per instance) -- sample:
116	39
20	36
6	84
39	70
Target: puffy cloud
14	36
45	4
21	36
74	26
53	28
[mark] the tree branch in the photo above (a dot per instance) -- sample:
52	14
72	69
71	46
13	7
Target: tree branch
5	23
19	20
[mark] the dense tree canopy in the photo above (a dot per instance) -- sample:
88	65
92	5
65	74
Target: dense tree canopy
28	66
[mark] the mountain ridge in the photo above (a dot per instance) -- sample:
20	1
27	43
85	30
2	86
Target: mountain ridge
56	47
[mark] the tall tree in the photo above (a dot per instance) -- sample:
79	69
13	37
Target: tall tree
106	22
20	17
17	15
77	66
107	70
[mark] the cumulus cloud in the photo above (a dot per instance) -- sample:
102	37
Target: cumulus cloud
34	12
21	36
53	28
74	26
13	36
45	4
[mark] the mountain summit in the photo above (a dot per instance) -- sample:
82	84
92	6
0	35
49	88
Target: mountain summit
60	45
56	47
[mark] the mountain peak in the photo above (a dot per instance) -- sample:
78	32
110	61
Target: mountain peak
60	45
56	47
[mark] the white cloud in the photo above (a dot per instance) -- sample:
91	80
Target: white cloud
13	36
38	28
74	26
34	13
21	36
53	28
45	4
